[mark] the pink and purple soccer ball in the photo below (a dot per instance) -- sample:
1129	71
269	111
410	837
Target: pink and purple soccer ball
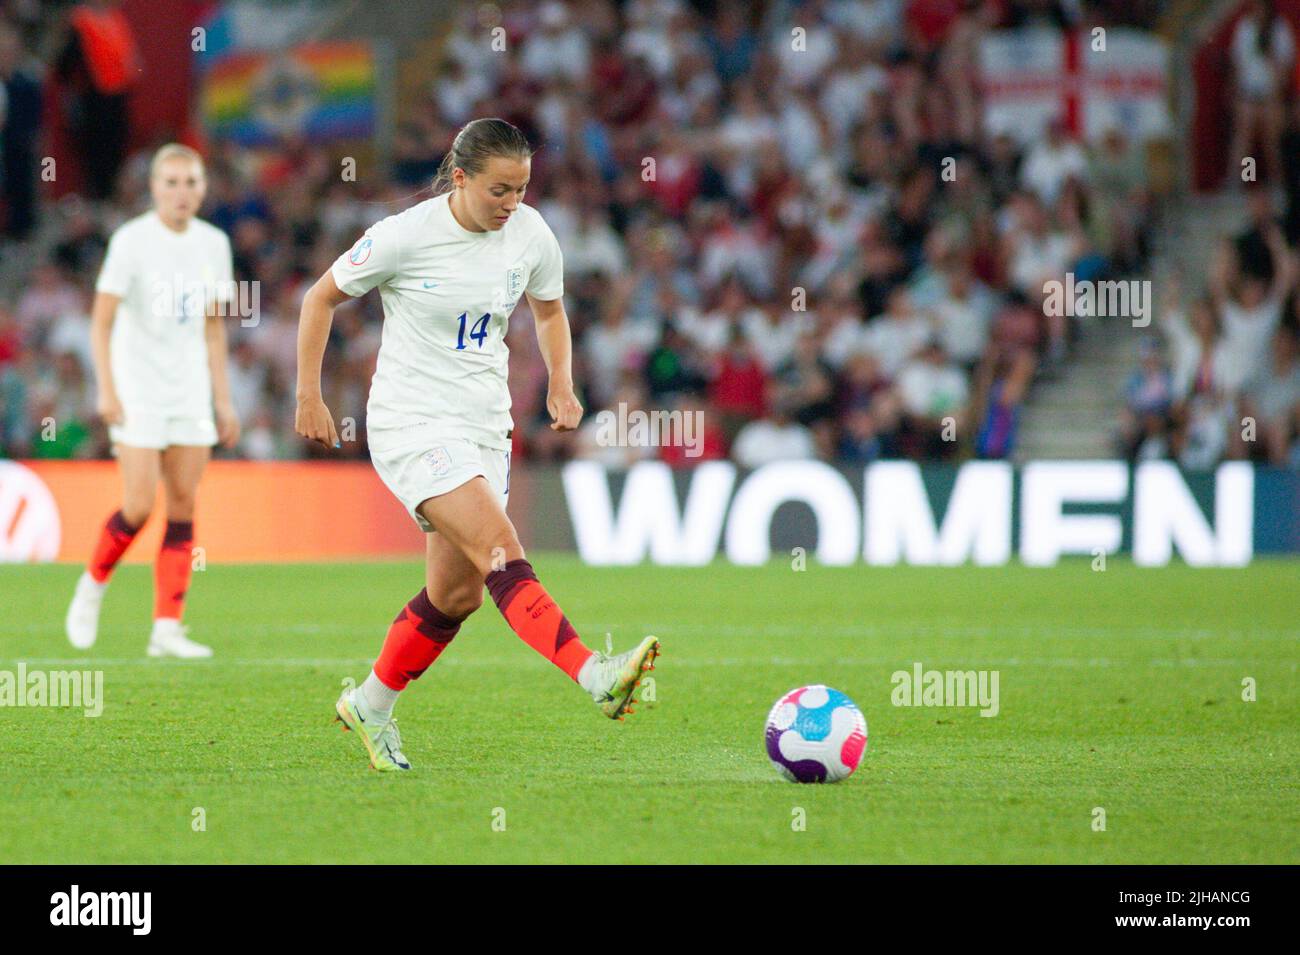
815	735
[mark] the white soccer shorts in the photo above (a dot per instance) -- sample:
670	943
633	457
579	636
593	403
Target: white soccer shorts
147	429
416	469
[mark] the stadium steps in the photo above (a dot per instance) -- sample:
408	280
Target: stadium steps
1076	414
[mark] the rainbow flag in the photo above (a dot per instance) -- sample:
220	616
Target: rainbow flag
319	91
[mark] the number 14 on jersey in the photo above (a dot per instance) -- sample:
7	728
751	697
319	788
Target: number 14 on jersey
478	333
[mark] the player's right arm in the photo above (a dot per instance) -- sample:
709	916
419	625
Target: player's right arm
313	420
103	311
1223	271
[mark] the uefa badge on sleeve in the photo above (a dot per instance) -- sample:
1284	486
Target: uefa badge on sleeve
361	251
438	461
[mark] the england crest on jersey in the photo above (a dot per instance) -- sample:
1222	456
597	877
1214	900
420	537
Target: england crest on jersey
514	283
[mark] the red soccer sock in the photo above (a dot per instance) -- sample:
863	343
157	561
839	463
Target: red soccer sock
114	539
172	570
417	637
534	616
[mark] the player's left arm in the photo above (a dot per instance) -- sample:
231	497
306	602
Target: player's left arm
1284	271
556	345
223	407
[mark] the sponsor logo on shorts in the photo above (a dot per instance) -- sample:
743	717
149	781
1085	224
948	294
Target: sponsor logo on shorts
361	251
438	461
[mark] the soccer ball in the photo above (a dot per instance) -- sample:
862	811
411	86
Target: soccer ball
815	735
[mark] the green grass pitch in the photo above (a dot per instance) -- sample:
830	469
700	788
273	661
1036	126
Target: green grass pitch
1119	689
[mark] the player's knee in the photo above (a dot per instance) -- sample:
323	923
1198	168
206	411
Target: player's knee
459	602
136	508
180	510
500	548
136	517
466	603
180	505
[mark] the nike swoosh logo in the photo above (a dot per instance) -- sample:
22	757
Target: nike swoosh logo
535	603
430	284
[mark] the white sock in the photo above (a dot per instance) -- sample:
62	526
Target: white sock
378	697
89	585
587	673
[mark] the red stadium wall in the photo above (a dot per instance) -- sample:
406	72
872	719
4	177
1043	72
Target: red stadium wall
1211	133
247	511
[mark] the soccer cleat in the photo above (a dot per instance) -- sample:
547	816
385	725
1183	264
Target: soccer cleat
82	622
383	742
613	679
169	639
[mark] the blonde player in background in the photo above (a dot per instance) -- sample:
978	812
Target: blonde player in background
159	346
450	271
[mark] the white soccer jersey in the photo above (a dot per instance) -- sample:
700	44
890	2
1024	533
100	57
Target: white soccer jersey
166	281
447	295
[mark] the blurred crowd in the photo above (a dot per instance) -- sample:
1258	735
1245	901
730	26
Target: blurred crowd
1221	378
809	237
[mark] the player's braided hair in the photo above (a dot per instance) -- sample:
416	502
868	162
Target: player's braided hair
477	142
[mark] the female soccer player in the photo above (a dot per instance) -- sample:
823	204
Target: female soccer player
159	350
450	271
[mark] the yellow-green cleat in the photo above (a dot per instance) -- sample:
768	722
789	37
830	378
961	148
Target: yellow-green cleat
612	679
381	739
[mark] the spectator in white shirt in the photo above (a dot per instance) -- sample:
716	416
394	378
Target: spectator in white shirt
1207	379
558	50
749	125
1035	253
802	59
773	331
933	394
1263	50
1250	307
895	336
1052	161
1272	400
843	331
711	331
614	345
775	438
963	315
846	95
594	246
458	90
